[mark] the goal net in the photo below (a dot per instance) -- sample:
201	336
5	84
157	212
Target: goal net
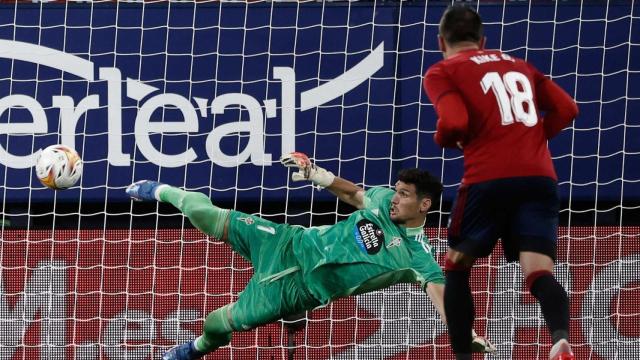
208	95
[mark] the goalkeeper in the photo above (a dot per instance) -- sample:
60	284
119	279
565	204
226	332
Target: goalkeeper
297	268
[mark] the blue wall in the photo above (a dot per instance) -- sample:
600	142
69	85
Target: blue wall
385	123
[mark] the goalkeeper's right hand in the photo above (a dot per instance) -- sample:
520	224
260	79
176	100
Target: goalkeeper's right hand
307	170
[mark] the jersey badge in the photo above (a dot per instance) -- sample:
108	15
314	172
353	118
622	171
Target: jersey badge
395	241
369	236
246	220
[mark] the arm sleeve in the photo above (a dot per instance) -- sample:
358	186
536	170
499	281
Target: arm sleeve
376	196
453	118
427	270
560	109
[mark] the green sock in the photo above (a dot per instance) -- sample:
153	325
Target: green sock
205	216
216	331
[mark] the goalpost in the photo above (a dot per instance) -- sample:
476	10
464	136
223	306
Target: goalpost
208	95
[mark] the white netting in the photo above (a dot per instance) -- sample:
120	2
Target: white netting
208	95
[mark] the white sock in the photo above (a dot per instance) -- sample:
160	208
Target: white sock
197	343
560	343
156	193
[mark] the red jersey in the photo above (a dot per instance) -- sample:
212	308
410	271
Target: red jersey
490	103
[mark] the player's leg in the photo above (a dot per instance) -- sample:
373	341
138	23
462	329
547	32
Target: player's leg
472	233
538	274
479	344
216	333
245	233
264	300
436	294
554	302
196	206
458	300
458	303
205	216
260	303
251	310
276	289
217	330
535	227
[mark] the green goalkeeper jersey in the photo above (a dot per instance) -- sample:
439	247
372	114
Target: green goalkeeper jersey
365	252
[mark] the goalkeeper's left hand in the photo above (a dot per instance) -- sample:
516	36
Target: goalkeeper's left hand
307	170
481	345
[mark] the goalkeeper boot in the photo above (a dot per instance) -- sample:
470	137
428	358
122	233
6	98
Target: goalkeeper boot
561	351
186	351
143	190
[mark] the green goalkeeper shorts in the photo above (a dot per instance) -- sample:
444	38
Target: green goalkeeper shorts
276	288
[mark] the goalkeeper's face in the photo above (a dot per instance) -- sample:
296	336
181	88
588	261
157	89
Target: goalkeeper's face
407	208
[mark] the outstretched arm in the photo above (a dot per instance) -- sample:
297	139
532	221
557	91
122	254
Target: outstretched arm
436	295
348	192
344	189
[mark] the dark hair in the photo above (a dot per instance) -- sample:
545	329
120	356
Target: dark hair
425	183
461	23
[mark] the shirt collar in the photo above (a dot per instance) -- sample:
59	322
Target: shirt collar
413	231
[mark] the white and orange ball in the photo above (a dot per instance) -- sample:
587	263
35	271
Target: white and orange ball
58	167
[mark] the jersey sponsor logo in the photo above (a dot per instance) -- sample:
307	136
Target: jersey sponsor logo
369	236
246	220
395	241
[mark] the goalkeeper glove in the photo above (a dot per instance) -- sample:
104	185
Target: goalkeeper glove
481	345
307	170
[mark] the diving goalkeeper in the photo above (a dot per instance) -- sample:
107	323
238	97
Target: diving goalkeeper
297	268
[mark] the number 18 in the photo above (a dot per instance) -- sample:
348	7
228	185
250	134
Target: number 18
512	91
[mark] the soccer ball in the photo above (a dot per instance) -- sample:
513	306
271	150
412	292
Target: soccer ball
58	167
